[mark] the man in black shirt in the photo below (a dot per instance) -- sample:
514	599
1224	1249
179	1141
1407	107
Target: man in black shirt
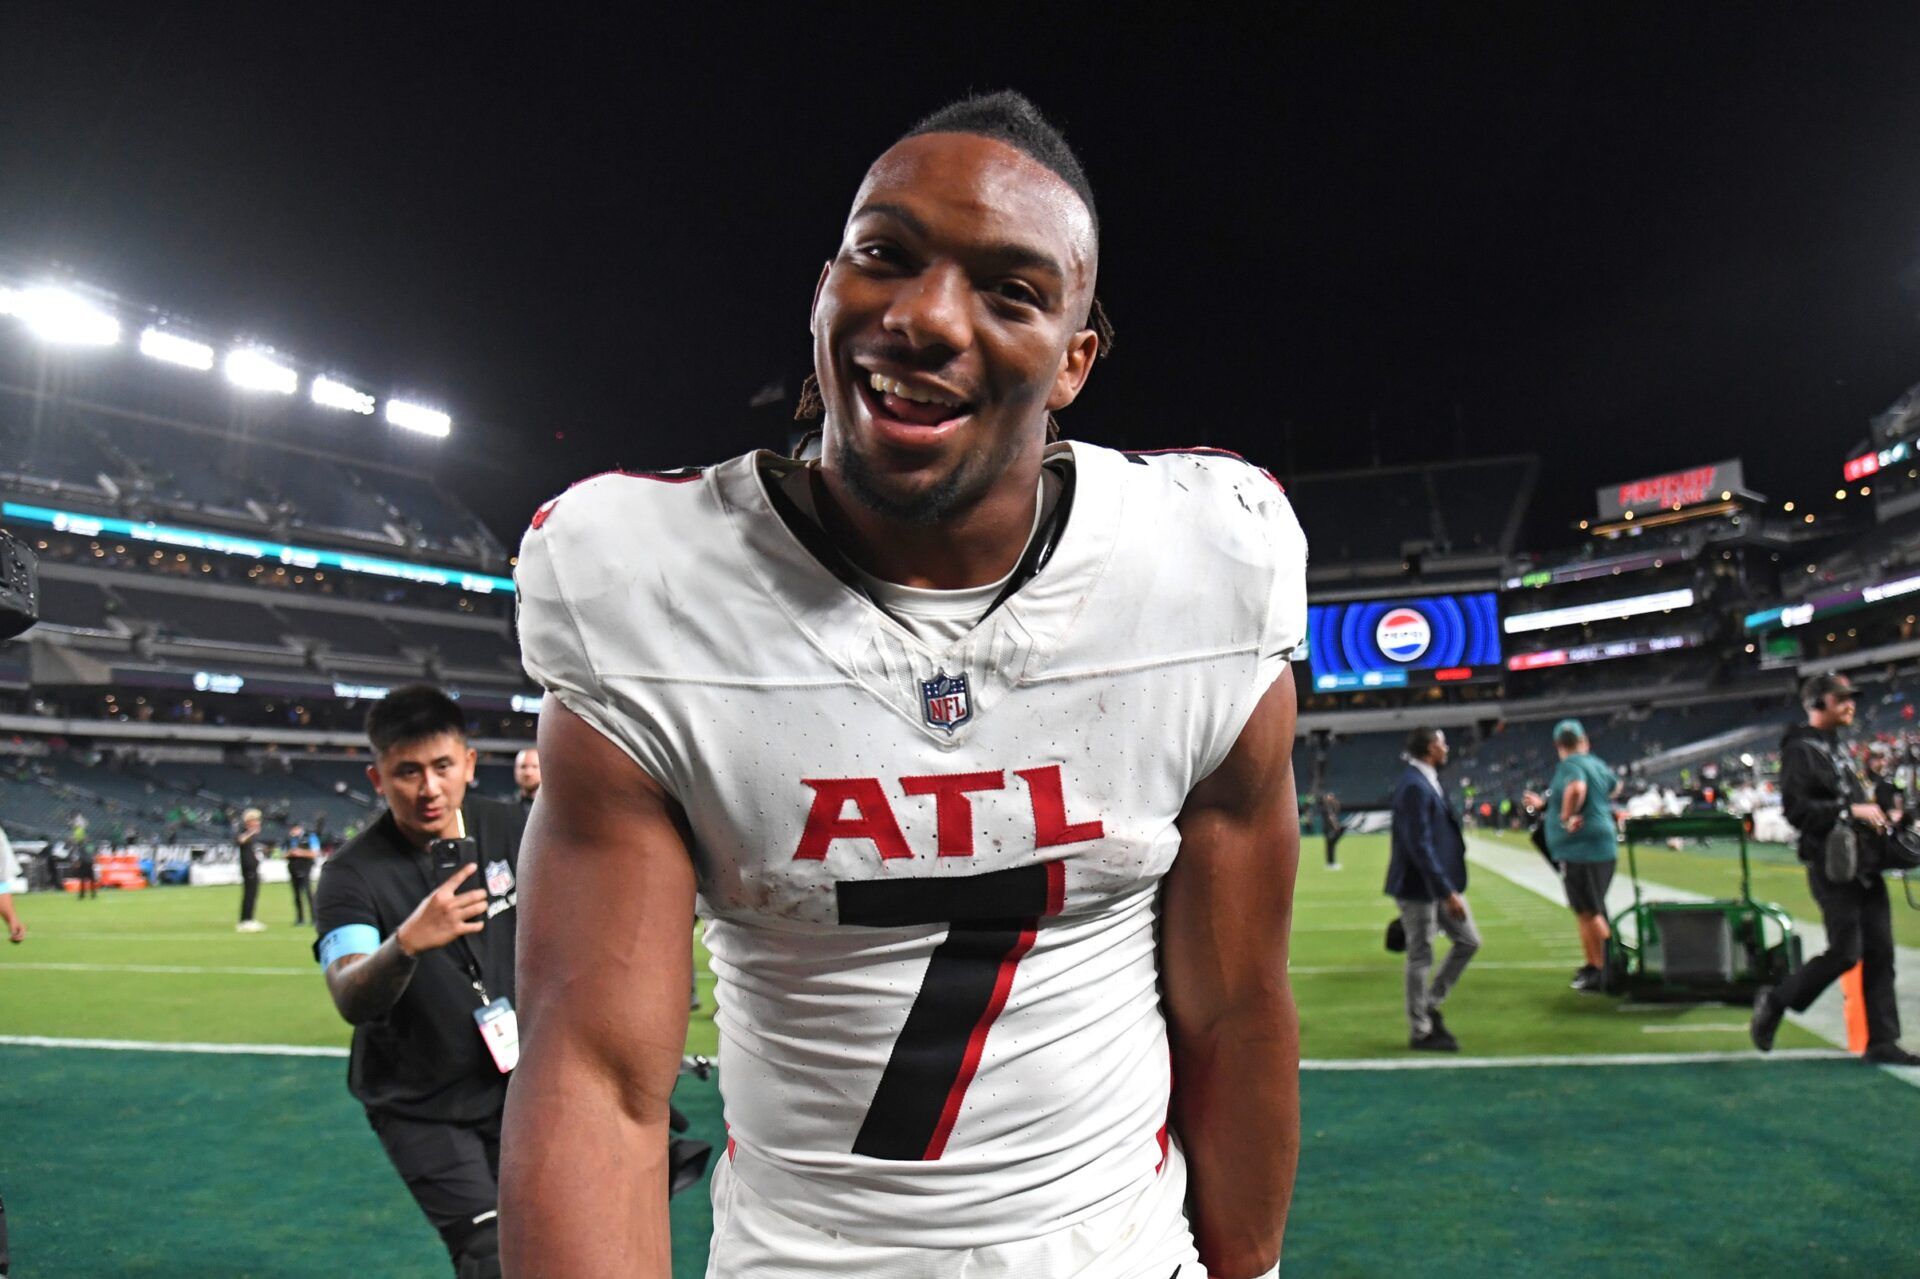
1820	789
526	776
248	841
421	963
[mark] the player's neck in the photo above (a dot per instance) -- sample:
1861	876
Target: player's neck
976	546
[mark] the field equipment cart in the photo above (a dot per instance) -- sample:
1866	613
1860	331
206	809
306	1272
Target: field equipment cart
1698	951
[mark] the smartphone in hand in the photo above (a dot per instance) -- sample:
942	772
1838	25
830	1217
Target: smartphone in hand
449	855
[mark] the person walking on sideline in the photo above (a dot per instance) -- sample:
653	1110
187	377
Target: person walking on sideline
303	847
1819	789
1427	879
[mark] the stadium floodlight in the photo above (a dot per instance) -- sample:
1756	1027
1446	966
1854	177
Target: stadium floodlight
418	417
256	370
338	395
63	317
174	349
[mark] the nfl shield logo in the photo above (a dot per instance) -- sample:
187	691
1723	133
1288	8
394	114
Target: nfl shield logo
499	879
945	700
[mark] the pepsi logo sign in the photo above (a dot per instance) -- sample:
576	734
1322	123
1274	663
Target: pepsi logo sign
1403	634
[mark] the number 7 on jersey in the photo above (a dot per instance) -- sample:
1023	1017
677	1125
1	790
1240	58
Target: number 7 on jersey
992	920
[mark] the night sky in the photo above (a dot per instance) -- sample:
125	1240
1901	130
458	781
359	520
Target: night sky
1627	238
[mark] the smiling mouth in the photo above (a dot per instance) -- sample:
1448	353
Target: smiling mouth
894	402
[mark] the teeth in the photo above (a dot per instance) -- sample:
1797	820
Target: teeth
892	386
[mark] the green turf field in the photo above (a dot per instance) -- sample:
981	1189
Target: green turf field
175	1163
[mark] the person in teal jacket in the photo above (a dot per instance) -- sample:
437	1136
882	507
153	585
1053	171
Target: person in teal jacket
1582	838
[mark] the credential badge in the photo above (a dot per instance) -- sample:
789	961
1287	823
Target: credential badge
945	701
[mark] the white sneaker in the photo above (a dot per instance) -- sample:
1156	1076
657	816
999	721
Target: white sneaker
249	926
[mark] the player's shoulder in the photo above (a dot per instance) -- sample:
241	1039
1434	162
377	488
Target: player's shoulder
617	537
1210	497
617	501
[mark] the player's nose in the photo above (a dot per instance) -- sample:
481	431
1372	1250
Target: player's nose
930	310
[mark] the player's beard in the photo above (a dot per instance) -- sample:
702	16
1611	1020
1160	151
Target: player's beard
959	488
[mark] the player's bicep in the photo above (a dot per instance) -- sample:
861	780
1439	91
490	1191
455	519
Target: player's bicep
1227	903
606	917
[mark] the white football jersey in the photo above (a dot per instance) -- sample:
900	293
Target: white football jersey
930	874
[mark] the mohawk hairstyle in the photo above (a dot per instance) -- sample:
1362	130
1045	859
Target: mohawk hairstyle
1007	116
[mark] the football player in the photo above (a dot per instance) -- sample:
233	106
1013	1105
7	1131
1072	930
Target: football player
974	750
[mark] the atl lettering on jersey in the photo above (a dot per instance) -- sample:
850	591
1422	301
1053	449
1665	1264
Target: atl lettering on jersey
929	873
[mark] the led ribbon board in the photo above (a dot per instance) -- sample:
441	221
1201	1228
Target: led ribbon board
1393	643
1789	616
1587	570
1606	610
1859	468
1584	653
255	549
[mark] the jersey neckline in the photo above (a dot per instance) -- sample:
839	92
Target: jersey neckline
837	616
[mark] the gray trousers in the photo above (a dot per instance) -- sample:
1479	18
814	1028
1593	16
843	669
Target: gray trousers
1422	920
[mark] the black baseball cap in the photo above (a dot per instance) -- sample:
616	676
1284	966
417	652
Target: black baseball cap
1815	690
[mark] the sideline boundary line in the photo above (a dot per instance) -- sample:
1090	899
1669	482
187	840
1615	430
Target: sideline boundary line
162	1046
171	970
1318	1064
1613	1059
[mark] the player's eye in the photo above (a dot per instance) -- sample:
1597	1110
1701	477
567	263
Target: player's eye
1018	291
879	253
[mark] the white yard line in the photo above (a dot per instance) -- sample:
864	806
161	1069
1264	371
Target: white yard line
1611	1059
1827	1017
166	969
156	1046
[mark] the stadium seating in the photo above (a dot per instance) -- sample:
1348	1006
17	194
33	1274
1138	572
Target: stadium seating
1397	513
459	646
1477	502
1373	516
204	617
80	604
340	631
46	454
436	520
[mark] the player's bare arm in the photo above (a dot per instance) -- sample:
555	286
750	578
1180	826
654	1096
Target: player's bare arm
1227	906
605	955
366	987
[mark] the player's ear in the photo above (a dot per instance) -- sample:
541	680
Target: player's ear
1075	365
473	764
373	780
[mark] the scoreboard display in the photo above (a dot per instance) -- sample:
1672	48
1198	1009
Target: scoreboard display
1404	641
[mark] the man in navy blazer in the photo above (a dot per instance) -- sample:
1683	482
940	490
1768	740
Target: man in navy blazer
1427	877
